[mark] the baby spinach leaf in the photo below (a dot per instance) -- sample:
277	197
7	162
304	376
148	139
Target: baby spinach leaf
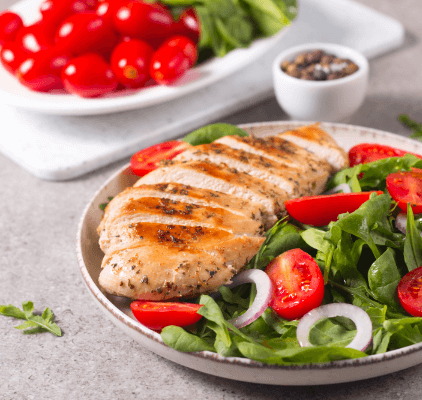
383	278
178	339
338	331
412	243
210	133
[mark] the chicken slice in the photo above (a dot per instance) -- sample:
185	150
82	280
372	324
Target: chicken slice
295	182
221	178
189	194
157	272
319	142
171	212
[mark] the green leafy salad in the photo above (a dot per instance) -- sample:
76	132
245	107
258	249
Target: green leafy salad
362	257
230	24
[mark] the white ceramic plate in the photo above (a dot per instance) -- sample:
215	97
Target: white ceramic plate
118	310
211	71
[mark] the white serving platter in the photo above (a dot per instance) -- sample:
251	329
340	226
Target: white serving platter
118	310
14	94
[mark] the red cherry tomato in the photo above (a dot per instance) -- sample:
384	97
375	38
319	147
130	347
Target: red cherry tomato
157	315
148	159
11	56
10	24
321	210
142	20
41	71
173	59
367	152
36	37
130	62
406	187
85	32
298	284
409	291
107	9
89	75
55	11
188	25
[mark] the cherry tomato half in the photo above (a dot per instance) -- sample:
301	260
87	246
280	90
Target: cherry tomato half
298	284
409	291
367	152
321	210
11	56
157	315
142	20
130	62
41	71
85	32
149	159
10	24
89	75
406	187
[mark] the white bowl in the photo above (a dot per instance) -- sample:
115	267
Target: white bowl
331	100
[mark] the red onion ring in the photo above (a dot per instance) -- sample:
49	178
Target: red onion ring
343	187
264	292
401	222
357	315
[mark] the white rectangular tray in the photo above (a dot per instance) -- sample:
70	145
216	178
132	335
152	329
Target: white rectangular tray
64	147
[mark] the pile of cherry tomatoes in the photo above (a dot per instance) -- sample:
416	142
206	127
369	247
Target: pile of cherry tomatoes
94	47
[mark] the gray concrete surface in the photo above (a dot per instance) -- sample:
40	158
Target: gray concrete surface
93	360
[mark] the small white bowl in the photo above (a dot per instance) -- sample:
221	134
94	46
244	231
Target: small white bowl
330	100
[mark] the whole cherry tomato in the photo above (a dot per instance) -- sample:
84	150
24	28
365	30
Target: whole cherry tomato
188	25
89	75
406	187
36	37
298	284
55	11
173	58
107	9
41	71
85	32
130	62
10	24
142	20
12	55
157	315
409	292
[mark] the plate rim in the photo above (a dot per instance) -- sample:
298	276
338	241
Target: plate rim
109	307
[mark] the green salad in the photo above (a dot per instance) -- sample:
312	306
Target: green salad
362	256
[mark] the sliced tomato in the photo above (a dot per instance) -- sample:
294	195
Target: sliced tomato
406	187
298	284
409	291
157	315
367	152
321	210
148	159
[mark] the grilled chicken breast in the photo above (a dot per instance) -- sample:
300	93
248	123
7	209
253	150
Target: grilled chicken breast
187	227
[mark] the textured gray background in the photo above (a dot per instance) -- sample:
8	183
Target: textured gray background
93	360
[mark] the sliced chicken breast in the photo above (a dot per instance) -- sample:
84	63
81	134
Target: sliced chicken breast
295	182
221	178
157	272
318	142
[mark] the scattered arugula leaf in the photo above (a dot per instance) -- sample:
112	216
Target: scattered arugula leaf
34	323
413	125
103	206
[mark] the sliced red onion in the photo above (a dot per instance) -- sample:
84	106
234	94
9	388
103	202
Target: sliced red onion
343	187
264	291
357	315
401	222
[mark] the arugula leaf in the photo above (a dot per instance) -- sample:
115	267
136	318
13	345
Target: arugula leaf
210	133
412	242
43	323
413	125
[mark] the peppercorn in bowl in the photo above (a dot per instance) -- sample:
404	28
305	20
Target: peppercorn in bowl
320	81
